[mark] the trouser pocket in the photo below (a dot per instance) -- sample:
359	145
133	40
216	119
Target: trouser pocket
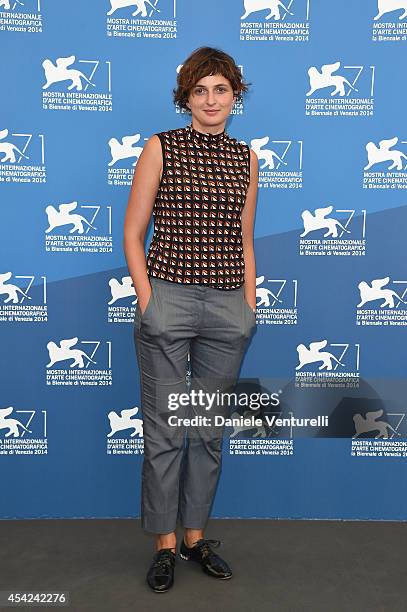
148	307
143	317
249	308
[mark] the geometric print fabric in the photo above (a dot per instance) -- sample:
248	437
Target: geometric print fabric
197	211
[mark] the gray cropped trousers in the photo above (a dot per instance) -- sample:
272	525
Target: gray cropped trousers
181	462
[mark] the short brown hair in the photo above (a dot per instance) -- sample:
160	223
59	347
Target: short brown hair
203	62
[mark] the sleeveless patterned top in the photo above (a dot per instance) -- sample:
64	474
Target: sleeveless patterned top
197	211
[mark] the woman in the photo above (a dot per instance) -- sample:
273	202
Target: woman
196	298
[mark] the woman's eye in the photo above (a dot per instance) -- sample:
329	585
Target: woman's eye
220	89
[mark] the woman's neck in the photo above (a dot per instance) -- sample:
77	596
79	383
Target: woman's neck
213	129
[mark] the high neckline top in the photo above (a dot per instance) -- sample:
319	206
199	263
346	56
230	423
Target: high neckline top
206	139
197	210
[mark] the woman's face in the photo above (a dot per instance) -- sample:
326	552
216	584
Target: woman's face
211	100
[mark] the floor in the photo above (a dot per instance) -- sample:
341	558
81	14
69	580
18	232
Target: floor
327	566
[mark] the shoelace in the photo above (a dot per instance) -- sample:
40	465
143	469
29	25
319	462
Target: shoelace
164	559
204	545
209	555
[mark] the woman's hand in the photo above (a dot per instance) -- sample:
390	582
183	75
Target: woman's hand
253	307
143	301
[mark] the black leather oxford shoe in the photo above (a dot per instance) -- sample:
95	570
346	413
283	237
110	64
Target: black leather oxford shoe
160	575
211	563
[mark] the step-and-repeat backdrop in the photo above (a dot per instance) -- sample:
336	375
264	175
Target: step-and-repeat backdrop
84	85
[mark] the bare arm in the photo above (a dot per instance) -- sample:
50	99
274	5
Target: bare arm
248	231
146	180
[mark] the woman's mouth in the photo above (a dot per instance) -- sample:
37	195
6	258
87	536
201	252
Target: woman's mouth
211	112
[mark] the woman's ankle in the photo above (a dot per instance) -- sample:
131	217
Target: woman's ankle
167	540
192	535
